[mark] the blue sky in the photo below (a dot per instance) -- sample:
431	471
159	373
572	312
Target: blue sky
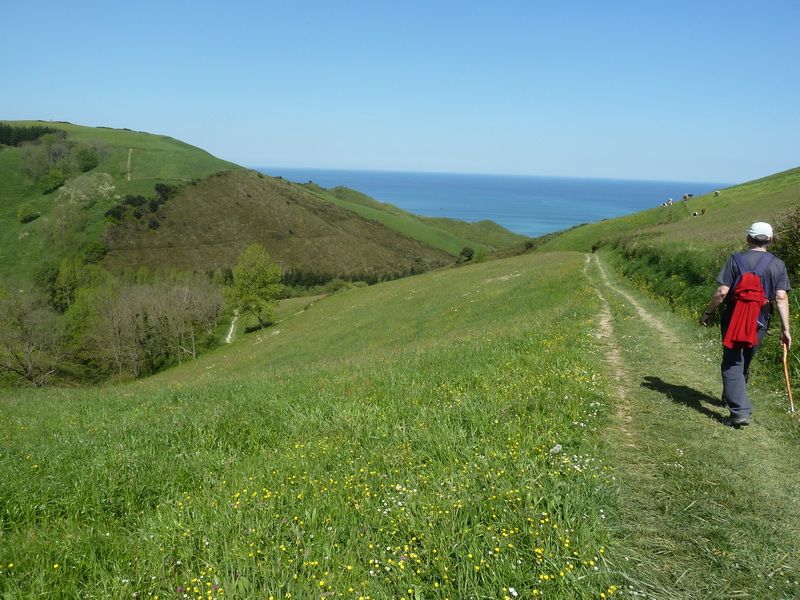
704	91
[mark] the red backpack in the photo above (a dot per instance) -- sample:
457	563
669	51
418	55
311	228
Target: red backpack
749	300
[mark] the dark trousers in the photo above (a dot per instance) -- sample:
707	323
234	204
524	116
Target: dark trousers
735	370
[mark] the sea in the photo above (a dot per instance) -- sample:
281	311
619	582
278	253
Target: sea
529	205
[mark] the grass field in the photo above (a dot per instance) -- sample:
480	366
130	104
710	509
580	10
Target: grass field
529	427
449	451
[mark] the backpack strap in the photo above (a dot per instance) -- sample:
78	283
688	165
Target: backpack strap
741	265
760	270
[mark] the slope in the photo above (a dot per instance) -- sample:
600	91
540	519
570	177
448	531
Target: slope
450	235
207	224
725	218
705	511
431	434
675	255
131	161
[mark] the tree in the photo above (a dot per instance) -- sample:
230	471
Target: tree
466	254
27	213
31	337
256	284
85	191
34	161
87	157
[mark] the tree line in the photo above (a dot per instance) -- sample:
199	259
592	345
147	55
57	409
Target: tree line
80	322
13	135
51	159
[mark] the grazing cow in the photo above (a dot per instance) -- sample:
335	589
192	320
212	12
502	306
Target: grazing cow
716	193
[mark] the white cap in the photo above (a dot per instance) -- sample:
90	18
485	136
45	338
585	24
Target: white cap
757	229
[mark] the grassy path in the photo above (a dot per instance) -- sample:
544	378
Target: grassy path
706	511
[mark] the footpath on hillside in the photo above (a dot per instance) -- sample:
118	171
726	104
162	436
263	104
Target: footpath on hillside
705	511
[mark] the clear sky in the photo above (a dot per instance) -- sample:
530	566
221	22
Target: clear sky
697	91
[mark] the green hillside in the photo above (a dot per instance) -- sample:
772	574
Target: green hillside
53	204
534	426
207	224
723	224
517	428
133	162
450	235
392	438
675	255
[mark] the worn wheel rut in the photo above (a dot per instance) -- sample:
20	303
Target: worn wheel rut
705	511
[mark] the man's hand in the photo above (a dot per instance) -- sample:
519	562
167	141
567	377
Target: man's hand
786	339
705	318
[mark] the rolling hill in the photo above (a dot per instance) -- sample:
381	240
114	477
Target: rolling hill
132	162
523	427
450	235
207	224
54	205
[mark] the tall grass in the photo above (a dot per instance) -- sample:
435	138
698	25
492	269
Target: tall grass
374	466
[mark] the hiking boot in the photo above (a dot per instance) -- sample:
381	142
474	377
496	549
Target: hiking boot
737	422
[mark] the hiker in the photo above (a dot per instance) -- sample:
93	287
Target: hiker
741	336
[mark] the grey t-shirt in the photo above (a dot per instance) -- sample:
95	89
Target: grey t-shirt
776	271
778	278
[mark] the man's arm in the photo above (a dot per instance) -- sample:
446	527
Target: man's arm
716	300
782	302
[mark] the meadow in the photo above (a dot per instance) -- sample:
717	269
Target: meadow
432	437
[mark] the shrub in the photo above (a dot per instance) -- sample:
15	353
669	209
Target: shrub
466	254
94	253
164	191
116	213
27	213
131	200
54	179
787	241
87	158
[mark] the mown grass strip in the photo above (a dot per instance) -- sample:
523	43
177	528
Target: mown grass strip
705	511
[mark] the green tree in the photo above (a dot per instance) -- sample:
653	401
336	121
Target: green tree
466	254
31	337
27	213
87	157
256	284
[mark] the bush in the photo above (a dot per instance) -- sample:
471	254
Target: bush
131	200
787	242
116	213
164	191
466	254
27	213
87	158
94	253
54	179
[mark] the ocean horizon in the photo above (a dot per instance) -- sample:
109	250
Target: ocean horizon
526	204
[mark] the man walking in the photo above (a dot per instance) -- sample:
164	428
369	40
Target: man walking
775	281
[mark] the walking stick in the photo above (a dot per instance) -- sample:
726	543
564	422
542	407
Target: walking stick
786	374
